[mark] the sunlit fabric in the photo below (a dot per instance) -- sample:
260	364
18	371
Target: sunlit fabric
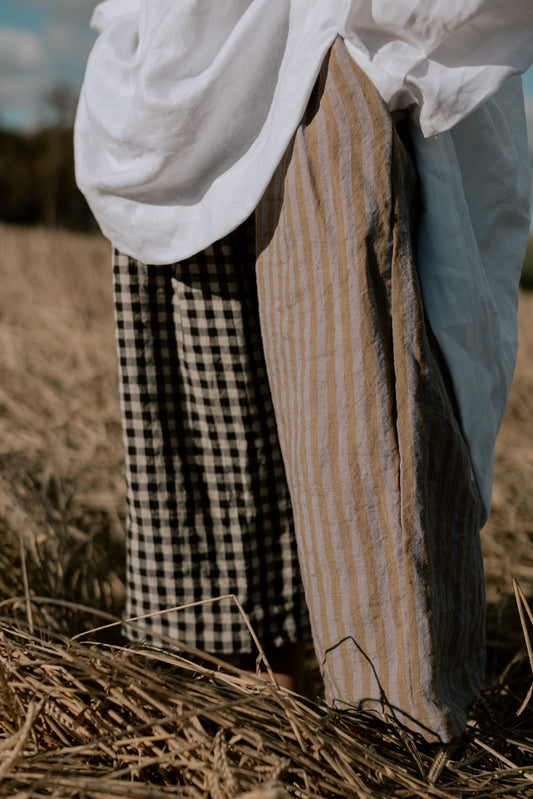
188	107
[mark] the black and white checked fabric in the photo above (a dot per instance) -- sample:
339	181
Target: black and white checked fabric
208	506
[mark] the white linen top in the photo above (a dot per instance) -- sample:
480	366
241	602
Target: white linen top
188	106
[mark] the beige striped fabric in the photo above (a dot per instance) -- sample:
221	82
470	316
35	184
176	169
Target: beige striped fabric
385	506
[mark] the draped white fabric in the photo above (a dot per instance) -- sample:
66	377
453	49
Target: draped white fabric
188	106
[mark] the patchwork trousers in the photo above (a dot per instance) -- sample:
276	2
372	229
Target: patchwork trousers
357	424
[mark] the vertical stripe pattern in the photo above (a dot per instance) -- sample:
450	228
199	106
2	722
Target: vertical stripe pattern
386	509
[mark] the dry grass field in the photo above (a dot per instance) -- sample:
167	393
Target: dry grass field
79	720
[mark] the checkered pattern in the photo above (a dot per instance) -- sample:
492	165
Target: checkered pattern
208	505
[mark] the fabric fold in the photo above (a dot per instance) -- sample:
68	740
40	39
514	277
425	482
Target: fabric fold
188	108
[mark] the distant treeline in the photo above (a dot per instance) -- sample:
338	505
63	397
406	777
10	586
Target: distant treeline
37	185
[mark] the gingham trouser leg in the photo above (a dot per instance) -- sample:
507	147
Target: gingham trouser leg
208	506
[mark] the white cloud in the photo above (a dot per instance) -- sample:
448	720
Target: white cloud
34	62
25	65
20	50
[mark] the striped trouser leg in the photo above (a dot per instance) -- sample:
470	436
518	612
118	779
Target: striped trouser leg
386	510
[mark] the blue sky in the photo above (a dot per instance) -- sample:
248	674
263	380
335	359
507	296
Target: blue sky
44	43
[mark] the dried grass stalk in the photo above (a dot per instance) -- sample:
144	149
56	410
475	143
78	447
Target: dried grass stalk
80	719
